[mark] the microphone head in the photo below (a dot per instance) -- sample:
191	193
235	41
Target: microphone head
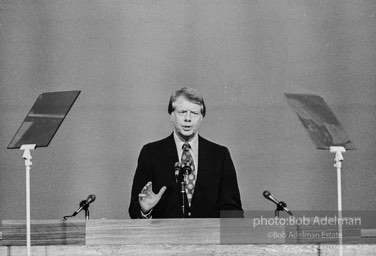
187	167
90	199
266	194
177	169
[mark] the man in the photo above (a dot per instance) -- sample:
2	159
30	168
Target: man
210	185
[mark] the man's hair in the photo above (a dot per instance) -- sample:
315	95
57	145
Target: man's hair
191	95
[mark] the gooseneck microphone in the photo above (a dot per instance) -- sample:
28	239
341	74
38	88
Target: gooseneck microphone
187	168
84	204
182	171
178	172
280	205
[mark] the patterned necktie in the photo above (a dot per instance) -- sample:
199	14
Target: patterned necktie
187	160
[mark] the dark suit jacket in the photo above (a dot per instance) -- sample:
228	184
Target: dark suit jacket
216	189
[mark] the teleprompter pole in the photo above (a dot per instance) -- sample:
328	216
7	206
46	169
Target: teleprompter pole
338	164
27	156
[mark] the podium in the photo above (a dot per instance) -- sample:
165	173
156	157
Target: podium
157	237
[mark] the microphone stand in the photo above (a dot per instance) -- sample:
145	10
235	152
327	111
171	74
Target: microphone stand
181	177
280	207
182	183
86	209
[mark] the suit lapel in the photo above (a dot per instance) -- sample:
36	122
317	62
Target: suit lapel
203	170
171	153
169	156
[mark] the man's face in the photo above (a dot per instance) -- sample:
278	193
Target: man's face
186	118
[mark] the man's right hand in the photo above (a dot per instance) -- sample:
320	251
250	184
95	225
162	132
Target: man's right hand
148	199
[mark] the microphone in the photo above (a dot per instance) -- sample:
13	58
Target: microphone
84	204
177	169
178	173
187	168
179	177
280	204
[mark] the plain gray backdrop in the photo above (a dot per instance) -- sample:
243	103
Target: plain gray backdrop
128	56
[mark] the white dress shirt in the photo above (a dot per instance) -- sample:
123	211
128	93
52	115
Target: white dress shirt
194	149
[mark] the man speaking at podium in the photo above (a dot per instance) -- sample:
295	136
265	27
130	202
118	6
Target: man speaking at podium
185	175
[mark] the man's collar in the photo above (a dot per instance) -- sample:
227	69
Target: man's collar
180	142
